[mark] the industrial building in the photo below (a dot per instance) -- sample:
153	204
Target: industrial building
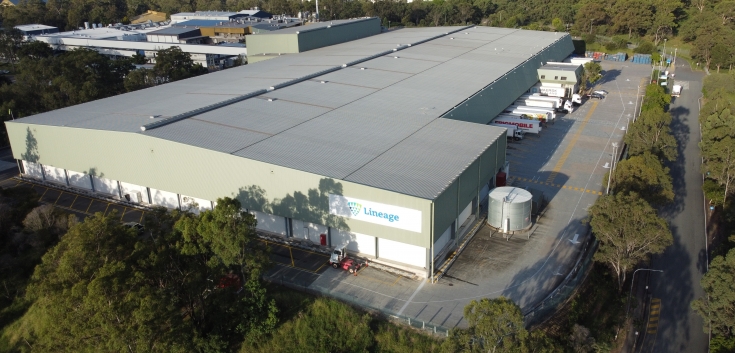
378	144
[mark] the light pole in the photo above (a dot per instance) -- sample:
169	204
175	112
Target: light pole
612	167
632	281
675	49
663	58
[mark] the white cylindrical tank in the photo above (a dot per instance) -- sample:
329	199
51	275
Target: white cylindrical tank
509	209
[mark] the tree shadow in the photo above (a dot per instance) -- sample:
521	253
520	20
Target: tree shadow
312	206
608	76
31	153
677	168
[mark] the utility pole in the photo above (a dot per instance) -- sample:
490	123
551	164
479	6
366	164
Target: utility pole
612	167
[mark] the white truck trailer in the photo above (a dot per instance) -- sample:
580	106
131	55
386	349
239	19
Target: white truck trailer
676	91
546	90
529	126
551	113
513	132
528	115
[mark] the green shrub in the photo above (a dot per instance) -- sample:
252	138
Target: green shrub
714	192
645	48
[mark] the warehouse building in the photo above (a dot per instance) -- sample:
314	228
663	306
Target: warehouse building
378	144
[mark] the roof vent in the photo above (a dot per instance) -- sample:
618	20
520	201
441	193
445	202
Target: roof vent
451	37
395	57
154	116
362	68
272	99
322	81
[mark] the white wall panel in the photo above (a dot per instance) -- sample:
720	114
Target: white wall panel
164	198
465	214
360	243
270	223
80	180
54	174
133	190
401	252
442	241
190	201
308	231
32	170
105	186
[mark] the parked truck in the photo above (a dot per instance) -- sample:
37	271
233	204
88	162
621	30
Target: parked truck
676	91
524	109
513	132
530	126
566	93
528	115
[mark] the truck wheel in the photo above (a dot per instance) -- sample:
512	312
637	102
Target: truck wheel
335	265
352	270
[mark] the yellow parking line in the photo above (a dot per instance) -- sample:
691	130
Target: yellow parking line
108	206
90	205
290	253
398	278
572	142
123	213
75	200
141	216
57	199
320	267
44	194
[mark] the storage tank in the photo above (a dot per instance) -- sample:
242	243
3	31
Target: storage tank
509	209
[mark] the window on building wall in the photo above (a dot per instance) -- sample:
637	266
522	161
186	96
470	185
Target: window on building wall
563	78
556	77
543	77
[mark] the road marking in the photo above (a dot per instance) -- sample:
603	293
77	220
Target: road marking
557	185
290	253
57	199
123	213
572	142
141	217
108	206
411	297
75	200
654	313
40	198
90	205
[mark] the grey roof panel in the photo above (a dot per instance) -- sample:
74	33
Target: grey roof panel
379	127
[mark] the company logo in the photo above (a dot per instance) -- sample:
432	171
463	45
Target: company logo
389	216
354	208
516	124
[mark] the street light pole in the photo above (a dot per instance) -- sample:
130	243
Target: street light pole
632	281
612	167
663	58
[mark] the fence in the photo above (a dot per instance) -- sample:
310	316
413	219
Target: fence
543	310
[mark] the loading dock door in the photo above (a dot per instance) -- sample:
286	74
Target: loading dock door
400	252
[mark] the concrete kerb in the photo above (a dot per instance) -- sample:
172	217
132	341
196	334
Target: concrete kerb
307	245
586	254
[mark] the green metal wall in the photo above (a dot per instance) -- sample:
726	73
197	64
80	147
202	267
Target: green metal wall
273	43
456	196
338	34
193	171
490	101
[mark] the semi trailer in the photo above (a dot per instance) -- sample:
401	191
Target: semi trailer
527	125
513	132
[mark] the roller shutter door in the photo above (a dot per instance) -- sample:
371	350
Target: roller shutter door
270	223
400	252
195	205
79	180
443	241
308	231
356	242
105	186
33	170
134	193
466	213
164	198
54	174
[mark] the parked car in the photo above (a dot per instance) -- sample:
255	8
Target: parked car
597	95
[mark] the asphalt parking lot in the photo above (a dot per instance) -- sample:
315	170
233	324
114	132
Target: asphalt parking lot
77	204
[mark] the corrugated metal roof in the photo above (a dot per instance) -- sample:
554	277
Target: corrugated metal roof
379	126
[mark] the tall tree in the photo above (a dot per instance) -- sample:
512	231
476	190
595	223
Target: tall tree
664	18
173	64
719	162
718	306
632	16
497	324
645	175
651	132
629	231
